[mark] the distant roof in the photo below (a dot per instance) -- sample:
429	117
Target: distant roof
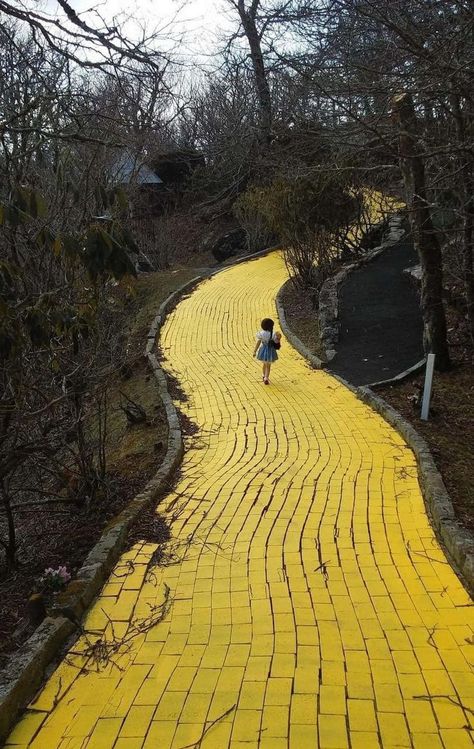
128	169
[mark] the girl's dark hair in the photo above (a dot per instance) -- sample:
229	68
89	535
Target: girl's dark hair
267	324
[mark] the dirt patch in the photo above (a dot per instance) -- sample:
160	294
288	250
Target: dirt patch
302	318
150	527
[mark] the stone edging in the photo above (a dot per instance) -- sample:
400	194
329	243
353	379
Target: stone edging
25	671
457	541
328	297
290	336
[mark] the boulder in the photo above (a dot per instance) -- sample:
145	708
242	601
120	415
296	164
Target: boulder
230	244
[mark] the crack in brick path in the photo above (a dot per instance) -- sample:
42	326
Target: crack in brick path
311	605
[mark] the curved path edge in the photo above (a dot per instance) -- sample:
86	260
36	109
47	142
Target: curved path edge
26	669
291	337
456	539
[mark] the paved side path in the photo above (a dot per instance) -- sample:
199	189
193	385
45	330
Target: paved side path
381	328
311	604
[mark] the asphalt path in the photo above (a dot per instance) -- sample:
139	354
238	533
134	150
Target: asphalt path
381	327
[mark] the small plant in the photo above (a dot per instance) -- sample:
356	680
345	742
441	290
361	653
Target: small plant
54	580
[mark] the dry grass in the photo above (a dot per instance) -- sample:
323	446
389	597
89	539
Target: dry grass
302	318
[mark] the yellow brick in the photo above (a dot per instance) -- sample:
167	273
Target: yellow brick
283	665
128	743
427	741
307	635
361	715
243	633
332	732
181	679
333	673
105	733
383	672
195	708
332	699
137	721
170	706
206	679
278	691
454	738
388	698
420	717
230	677
364	740
448	714
218	737
252	695
393	729
306	680
192	655
411	685
275	721
258	668
246	725
273	742
303	709
84	721
237	655
360	686
186	734
26	728
303	737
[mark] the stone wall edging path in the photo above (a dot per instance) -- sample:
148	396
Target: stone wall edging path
25	671
455	538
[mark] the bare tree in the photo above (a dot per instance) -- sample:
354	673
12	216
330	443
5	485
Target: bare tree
59	341
425	237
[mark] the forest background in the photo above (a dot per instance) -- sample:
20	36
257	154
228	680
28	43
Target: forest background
272	129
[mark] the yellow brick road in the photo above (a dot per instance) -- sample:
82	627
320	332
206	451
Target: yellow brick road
311	604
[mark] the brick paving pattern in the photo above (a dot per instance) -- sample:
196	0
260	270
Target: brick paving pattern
311	605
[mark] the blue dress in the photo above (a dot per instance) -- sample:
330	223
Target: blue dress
265	352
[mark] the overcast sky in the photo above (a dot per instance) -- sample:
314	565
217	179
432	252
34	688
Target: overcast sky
201	19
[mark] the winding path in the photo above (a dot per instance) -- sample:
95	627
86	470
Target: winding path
311	605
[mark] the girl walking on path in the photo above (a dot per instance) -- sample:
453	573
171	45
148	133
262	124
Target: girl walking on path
266	347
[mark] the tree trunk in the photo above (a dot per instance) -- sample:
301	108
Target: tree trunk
467	193
10	545
247	18
426	241
468	259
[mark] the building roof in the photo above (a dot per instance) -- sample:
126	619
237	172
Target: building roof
127	169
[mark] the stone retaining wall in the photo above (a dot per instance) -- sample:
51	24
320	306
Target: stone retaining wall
328	297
